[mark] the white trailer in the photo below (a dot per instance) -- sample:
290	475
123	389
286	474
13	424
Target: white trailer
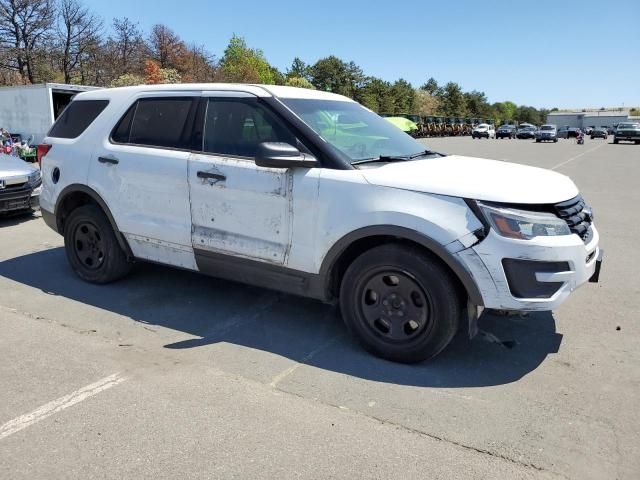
30	110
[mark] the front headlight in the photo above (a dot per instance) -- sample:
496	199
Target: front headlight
522	224
34	177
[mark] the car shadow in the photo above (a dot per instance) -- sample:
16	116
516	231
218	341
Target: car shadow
16	218
214	310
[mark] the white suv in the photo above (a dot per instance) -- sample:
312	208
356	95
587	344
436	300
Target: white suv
310	193
483	130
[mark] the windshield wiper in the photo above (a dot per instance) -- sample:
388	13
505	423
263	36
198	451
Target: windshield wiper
396	158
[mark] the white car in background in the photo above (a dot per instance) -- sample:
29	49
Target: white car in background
20	185
310	193
483	130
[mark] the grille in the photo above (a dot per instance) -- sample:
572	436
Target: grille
15	197
577	215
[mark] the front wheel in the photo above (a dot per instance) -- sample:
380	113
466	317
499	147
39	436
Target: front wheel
92	247
400	303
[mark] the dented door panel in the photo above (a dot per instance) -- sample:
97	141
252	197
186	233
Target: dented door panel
239	208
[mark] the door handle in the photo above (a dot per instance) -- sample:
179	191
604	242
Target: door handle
215	176
112	161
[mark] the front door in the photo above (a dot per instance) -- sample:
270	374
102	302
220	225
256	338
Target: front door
238	208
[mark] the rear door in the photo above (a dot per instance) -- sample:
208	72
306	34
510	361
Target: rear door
238	208
141	173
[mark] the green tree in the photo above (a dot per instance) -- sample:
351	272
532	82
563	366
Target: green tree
505	111
334	75
127	80
477	105
328	74
299	82
376	95
529	115
452	101
403	96
431	86
425	104
278	77
298	69
245	65
170	75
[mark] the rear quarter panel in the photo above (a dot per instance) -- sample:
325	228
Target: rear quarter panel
73	156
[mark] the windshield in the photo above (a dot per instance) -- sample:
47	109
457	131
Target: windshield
629	125
547	127
355	131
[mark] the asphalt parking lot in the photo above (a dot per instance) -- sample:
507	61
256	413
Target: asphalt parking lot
170	374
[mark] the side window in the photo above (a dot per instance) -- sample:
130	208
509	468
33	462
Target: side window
75	119
156	122
236	127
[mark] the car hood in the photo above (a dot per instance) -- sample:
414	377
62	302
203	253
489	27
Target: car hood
475	178
14	167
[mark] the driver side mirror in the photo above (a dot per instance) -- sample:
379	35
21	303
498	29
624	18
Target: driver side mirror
282	155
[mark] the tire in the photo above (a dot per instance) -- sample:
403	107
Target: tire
537	140
615	140
92	247
387	285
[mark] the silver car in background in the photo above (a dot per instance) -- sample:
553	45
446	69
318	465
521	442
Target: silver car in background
20	185
547	133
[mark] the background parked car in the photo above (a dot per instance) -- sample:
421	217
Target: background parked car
567	132
484	130
528	131
547	133
506	131
628	132
20	185
599	132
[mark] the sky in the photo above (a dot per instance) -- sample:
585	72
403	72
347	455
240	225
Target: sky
543	53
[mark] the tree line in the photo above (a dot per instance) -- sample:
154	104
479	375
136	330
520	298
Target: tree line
64	41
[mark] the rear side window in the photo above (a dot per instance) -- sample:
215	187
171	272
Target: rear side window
75	119
156	122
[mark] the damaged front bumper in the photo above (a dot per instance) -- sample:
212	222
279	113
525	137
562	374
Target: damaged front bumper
531	275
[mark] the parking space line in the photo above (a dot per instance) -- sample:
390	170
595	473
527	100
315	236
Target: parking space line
561	164
288	371
55	406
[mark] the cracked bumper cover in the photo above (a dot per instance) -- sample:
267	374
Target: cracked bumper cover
485	263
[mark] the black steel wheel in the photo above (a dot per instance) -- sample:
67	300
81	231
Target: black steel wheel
92	248
393	305
400	302
88	245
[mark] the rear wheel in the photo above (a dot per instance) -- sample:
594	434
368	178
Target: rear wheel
615	140
400	303
92	247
